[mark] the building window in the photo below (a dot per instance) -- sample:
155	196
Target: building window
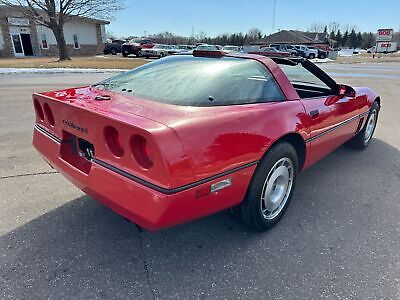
44	42
76	42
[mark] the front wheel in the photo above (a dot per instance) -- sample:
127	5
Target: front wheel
271	188
362	139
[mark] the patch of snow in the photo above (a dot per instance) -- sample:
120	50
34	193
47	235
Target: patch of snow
56	70
346	52
322	60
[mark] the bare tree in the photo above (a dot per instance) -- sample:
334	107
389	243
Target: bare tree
201	36
317	27
254	34
333	26
55	13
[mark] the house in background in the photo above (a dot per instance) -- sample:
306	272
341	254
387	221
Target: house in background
21	36
296	37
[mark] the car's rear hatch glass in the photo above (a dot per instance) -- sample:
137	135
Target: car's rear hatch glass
198	81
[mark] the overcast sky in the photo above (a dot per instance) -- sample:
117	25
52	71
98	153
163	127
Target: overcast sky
228	16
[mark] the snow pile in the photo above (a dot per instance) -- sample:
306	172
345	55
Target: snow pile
56	70
322	60
346	52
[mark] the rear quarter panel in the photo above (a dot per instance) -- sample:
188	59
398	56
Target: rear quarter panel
217	142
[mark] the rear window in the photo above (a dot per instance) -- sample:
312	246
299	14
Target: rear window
198	81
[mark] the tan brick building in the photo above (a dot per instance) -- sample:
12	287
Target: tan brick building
21	36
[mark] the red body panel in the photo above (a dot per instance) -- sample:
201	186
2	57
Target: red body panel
193	147
271	53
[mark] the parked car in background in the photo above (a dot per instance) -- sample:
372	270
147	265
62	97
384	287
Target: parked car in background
307	52
134	46
270	51
158	50
113	47
230	49
208	47
321	53
286	48
186	47
172	49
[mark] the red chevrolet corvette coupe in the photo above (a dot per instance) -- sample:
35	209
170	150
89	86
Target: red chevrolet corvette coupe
190	135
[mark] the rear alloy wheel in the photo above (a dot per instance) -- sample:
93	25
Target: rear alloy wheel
125	54
271	188
113	51
311	56
364	137
162	54
322	56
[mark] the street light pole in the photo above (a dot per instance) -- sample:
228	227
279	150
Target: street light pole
273	16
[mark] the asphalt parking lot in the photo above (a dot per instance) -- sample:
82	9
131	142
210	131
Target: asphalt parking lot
339	239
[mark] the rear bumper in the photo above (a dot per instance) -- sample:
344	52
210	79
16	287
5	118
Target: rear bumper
143	205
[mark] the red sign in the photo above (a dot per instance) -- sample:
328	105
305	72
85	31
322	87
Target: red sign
384	35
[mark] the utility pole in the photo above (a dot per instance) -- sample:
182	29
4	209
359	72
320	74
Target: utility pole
273	16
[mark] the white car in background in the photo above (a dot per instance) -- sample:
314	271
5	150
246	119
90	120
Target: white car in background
208	47
158	50
230	49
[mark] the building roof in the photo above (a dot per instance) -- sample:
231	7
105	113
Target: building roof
294	37
4	9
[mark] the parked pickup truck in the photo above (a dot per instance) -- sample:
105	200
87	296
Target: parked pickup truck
307	52
321	53
134	46
114	47
286	48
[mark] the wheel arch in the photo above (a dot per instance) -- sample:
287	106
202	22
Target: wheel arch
298	143
378	100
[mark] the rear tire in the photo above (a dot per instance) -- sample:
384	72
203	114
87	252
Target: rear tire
311	56
270	189
362	139
124	54
114	51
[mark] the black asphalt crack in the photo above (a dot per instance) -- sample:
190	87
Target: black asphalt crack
145	264
28	174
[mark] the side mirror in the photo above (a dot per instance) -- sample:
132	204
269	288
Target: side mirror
346	91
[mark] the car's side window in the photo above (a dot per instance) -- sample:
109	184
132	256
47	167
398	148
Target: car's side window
248	83
306	84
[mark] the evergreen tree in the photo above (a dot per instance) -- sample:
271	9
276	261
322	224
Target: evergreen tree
359	40
352	39
339	39
345	39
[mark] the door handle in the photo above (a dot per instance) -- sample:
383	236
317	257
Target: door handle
314	113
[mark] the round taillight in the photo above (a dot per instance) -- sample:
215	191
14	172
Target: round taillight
142	151
111	137
38	109
49	114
